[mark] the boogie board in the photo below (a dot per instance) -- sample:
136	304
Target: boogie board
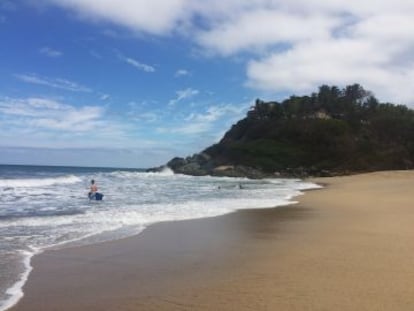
96	196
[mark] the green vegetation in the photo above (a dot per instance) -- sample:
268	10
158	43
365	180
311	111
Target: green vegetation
333	131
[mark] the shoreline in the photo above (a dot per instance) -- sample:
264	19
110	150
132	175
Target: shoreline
338	249
160	231
17	292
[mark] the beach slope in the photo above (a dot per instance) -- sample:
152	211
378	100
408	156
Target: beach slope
348	246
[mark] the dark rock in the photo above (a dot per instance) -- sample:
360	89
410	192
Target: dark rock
156	169
176	163
192	168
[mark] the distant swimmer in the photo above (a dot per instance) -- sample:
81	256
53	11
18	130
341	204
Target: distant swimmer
93	192
93	189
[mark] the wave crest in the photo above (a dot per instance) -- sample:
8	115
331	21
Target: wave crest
166	171
38	182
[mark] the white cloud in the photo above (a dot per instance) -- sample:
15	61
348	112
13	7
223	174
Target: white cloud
145	112
141	115
213	118
47	51
136	64
359	8
182	95
182	73
54	83
48	123
47	114
141	66
376	63
105	97
213	113
256	30
155	17
290	45
149	117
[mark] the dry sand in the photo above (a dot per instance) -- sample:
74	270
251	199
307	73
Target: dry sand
349	246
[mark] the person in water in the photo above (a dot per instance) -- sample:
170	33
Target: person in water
93	189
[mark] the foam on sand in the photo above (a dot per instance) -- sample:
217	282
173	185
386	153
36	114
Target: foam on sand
15	293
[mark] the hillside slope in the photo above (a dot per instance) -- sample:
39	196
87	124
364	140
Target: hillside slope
333	131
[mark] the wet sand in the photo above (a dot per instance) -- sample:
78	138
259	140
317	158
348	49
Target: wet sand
348	246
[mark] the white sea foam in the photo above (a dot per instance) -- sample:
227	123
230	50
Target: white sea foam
38	213
38	182
165	171
15	293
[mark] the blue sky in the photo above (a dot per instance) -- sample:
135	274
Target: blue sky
134	83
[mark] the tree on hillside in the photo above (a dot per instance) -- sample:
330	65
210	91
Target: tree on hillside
334	129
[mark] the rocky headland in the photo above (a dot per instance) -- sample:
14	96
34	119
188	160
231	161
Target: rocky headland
330	132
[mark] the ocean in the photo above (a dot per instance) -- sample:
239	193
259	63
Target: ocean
44	207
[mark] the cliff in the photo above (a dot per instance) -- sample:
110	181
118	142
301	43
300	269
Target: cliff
330	132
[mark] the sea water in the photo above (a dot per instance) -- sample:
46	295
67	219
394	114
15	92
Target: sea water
47	207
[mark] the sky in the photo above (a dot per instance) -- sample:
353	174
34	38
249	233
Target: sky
134	83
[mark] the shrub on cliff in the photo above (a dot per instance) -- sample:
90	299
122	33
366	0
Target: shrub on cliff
339	130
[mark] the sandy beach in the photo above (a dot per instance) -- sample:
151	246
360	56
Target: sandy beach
348	246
